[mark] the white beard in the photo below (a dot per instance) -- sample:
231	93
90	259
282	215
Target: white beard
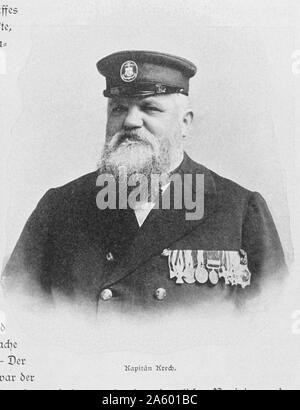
135	157
139	154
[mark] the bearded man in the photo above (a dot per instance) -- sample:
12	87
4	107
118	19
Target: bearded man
145	256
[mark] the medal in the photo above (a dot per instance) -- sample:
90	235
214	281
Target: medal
189	267
244	257
201	273
189	272
171	265
214	277
179	266
246	278
213	265
225	272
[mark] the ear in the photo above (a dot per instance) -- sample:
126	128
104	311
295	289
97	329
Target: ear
187	123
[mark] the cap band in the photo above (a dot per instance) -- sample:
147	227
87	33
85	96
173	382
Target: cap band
142	89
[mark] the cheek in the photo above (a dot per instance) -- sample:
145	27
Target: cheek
176	130
159	127
166	128
114	125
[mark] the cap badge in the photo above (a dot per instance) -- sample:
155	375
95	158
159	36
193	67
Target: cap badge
129	71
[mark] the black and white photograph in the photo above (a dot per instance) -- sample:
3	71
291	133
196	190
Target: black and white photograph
150	224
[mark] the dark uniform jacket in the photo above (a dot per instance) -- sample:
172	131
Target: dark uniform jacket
70	248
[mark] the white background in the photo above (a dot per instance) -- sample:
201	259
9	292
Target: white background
246	101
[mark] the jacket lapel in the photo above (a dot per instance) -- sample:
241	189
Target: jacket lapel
107	230
164	227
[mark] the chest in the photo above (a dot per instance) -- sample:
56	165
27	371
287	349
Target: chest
130	263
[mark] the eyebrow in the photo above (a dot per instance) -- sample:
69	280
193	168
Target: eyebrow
152	101
149	101
142	102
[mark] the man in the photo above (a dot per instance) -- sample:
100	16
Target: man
146	256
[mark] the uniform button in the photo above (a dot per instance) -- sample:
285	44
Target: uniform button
161	294
106	295
110	257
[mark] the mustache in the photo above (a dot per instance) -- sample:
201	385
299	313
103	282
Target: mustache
129	136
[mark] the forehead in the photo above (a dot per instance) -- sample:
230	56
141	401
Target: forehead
162	100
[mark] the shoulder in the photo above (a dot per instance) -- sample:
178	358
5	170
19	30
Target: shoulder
230	198
76	188
69	196
227	187
249	202
81	185
221	186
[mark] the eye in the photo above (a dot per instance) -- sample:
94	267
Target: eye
151	108
119	109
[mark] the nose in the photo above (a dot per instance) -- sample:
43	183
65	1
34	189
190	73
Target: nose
133	118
